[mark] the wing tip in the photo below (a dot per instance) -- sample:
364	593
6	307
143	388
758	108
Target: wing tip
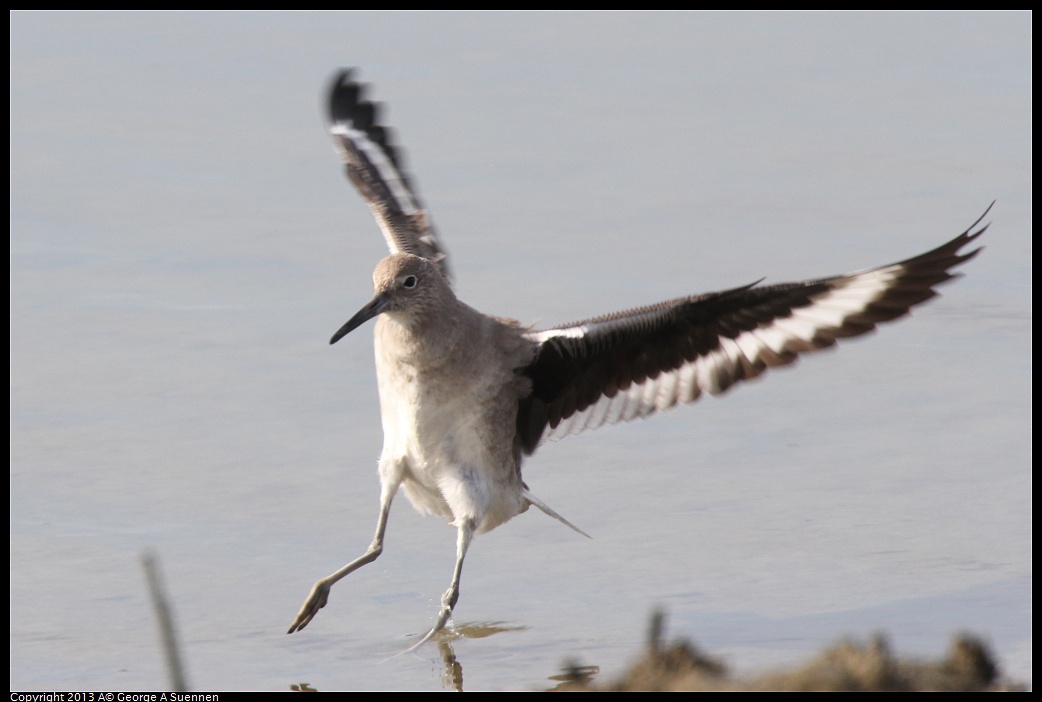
343	93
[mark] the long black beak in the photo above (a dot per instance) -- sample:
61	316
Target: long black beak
372	308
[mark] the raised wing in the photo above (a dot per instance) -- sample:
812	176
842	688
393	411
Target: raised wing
375	166
630	364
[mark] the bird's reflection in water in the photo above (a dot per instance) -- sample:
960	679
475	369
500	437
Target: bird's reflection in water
452	675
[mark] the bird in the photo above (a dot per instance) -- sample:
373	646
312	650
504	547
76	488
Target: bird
465	396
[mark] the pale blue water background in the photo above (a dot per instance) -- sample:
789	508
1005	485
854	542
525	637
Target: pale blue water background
183	244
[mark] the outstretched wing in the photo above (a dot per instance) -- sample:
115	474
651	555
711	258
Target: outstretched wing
374	165
630	364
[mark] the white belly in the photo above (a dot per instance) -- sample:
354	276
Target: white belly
451	443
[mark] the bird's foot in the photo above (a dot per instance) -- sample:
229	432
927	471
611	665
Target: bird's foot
315	601
443	618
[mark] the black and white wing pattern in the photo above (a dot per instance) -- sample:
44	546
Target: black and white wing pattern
375	166
631	364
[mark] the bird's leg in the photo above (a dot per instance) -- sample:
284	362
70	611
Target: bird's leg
448	600
320	592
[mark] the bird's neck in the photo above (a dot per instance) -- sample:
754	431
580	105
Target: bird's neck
424	341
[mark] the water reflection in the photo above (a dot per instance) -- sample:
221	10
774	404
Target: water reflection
452	675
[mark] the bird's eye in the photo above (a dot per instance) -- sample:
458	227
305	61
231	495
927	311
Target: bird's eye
409	282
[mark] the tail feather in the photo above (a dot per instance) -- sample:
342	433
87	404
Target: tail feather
547	510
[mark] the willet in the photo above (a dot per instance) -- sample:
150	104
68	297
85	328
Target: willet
464	396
